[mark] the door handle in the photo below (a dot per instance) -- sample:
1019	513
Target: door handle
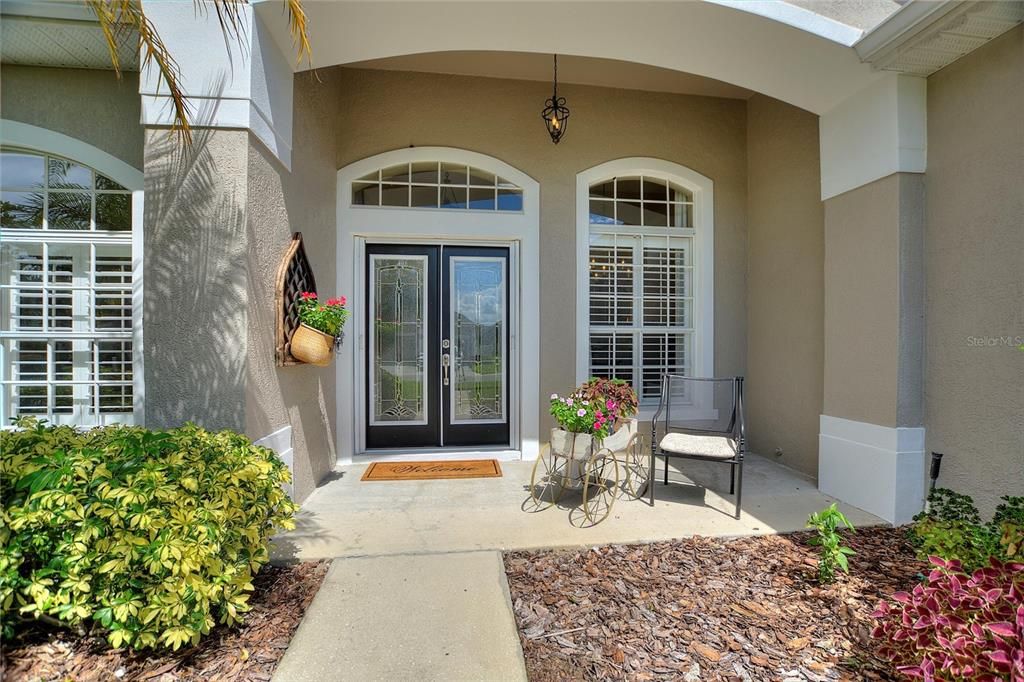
445	362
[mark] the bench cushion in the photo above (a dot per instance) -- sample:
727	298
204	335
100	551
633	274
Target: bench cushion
718	447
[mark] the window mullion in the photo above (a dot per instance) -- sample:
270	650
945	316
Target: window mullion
81	314
638	312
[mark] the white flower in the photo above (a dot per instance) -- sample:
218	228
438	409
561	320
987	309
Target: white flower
581	412
568	401
586	402
554	396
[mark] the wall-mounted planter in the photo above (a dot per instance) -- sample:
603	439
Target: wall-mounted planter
293	277
312	346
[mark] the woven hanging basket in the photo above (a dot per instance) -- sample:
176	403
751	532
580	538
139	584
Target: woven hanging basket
312	346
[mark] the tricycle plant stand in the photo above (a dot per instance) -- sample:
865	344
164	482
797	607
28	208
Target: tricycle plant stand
582	462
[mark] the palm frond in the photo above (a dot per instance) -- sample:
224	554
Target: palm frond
228	15
118	17
299	28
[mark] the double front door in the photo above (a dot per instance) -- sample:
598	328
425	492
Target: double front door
437	351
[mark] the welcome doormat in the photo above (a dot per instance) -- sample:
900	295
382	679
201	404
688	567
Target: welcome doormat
418	471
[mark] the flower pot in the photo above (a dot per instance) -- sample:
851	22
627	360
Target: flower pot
618	440
577	449
312	346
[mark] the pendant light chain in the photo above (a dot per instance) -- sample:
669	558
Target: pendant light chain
556	77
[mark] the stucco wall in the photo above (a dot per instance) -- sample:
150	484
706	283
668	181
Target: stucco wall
974	260
380	111
89	105
281	202
786	248
195	279
873	289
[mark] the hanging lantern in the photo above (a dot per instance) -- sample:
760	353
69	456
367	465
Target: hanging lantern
555	113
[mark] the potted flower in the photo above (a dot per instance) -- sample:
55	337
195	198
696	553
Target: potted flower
320	328
595	415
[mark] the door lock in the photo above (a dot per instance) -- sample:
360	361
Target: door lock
445	362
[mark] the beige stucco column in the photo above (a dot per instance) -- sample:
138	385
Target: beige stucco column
205	270
871	438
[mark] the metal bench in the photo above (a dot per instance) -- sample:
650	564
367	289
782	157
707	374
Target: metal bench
701	418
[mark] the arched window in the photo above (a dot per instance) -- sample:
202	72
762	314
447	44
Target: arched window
645	234
437	184
66	291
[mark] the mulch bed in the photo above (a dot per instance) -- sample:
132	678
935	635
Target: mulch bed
706	609
248	652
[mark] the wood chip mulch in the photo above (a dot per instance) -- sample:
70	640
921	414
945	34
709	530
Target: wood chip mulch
706	609
248	652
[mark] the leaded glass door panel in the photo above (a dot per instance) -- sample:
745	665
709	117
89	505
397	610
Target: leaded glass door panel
475	336
402	394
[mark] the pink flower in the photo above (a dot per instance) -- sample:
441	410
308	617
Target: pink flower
344	301
568	401
581	412
610	404
599	414
307	295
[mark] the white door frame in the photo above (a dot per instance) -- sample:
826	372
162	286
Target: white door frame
518	230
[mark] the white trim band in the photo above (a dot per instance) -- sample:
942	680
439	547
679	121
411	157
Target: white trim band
280	441
879	469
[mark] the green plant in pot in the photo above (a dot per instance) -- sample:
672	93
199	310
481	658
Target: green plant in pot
320	328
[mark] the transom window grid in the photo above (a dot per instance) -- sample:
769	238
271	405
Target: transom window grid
641	200
438	185
641	295
66	323
47	192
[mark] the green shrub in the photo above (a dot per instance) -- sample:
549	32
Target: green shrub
952	529
147	535
833	553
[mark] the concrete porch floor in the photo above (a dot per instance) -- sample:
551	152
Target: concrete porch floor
346	517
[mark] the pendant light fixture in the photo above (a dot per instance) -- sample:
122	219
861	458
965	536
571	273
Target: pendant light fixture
555	113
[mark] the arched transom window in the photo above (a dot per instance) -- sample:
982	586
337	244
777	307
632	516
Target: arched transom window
437	184
641	286
65	291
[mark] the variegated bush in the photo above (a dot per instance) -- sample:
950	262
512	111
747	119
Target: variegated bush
150	536
957	625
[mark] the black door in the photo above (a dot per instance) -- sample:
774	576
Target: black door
437	352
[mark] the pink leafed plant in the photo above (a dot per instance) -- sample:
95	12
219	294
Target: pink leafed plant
957	626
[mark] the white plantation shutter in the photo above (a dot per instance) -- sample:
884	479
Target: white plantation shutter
65	293
640	281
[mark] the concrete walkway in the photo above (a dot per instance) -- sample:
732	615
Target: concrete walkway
417	588
408	617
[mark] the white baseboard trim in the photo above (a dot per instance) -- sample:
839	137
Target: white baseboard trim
879	469
280	441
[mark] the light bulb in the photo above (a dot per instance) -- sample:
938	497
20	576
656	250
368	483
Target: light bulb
554	122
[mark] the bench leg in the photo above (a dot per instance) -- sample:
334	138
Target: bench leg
666	469
650	477
732	480
739	490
